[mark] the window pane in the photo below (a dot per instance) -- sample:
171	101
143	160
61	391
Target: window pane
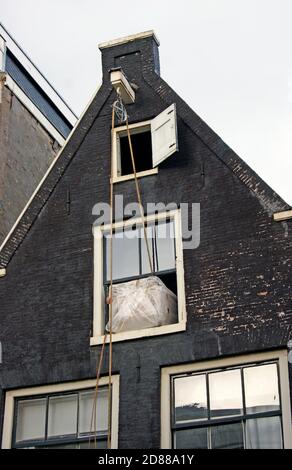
190	398
86	403
161	242
191	439
62	415
165	245
31	419
264	433
125	254
261	388
150	233
228	436
225	393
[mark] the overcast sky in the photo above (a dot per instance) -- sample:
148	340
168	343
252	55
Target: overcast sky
230	60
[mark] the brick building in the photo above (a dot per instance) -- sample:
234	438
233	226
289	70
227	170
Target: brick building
217	374
34	124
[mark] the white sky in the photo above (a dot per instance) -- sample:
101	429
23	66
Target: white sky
230	60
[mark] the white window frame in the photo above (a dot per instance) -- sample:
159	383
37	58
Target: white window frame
164	142
59	388
167	372
116	157
98	290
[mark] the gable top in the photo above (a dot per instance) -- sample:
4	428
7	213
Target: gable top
268	199
131	38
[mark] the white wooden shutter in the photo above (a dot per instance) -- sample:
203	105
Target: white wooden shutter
164	135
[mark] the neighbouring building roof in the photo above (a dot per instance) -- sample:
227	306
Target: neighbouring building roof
33	89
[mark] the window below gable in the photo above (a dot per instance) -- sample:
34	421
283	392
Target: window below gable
134	284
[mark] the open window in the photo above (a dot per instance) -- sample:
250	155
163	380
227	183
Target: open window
60	416
146	301
152	141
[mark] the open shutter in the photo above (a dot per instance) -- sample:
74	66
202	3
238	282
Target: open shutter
164	135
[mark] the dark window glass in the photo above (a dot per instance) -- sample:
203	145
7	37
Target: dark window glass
227	436
192	439
264	433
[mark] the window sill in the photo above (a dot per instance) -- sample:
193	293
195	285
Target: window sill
145	333
141	174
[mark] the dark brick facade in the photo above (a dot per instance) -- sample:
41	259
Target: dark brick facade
238	282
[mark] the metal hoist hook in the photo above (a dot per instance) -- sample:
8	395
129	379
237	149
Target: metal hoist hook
119	109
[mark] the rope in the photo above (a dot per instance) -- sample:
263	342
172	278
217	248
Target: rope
139	196
109	436
93	414
110	298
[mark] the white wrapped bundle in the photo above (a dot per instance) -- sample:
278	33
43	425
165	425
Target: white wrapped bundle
144	303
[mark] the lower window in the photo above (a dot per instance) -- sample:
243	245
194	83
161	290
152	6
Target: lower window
228	405
61	416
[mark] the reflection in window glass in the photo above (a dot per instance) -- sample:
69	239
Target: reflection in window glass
261	388
190	398
86	404
31	419
62	418
264	433
165	246
161	244
191	439
125	256
225	393
227	436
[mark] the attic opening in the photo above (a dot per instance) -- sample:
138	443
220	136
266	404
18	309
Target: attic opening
142	150
152	141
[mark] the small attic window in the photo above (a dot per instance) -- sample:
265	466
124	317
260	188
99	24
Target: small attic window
152	141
